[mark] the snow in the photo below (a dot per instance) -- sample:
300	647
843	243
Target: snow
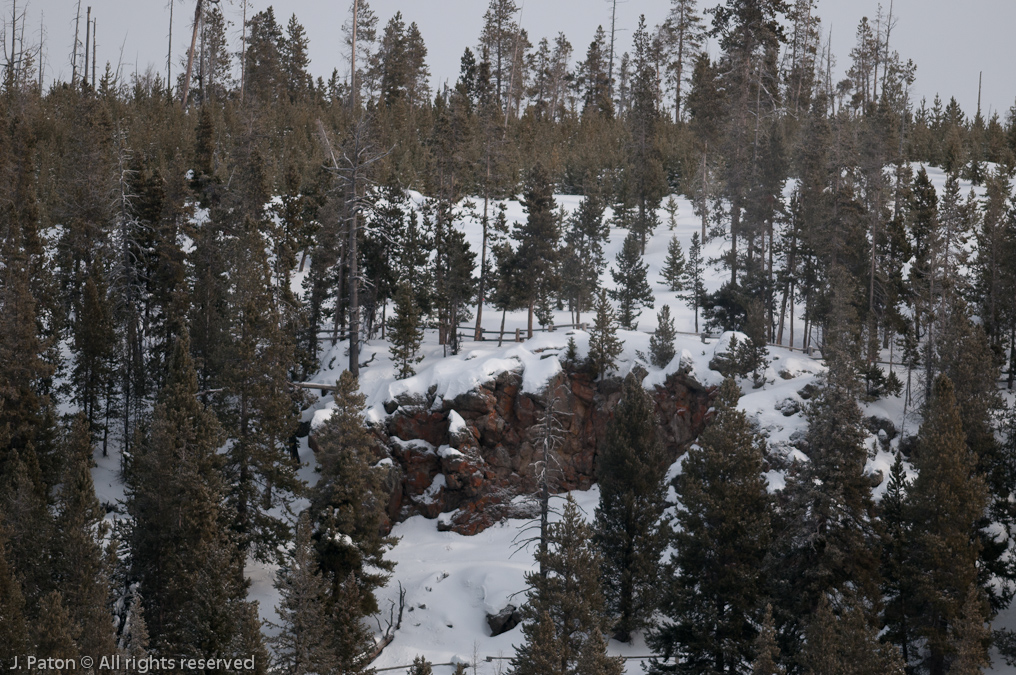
451	581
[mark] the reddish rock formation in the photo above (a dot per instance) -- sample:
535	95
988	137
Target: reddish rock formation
473	475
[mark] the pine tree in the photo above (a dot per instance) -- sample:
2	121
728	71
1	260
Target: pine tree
948	499
767	652
541	653
348	503
13	627
645	162
565	610
593	659
604	346
632	290
94	345
898	575
353	639
631	470
304	644
80	567
28	527
846	643
715	583
454	262
404	332
538	241
56	634
182	551
829	543
421	666
257	409
674	266
661	344
694	289
25	407
133	639
583	260
683	35
970	636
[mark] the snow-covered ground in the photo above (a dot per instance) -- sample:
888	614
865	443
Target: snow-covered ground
451	581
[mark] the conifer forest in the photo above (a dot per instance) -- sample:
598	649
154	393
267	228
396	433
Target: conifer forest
694	357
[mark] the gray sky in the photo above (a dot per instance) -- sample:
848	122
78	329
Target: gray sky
950	41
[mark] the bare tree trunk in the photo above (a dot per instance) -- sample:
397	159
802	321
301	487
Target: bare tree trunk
74	56
352	59
88	42
190	53
478	334
169	49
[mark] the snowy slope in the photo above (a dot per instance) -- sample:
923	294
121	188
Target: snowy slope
452	581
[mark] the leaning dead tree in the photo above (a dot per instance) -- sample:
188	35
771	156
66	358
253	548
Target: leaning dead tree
198	16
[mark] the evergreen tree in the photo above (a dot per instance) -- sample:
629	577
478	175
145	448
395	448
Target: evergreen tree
182	551
632	290
454	263
631	470
846	644
421	666
565	610
133	639
898	576
674	266
25	371
971	634
353	639
56	634
604	345
94	345
645	163
829	544
541	651
694	289
683	35
293	55
583	260
948	499
538	253
715	583
80	567
13	627
348	503
257	409
405	333
304	644
767	652
661	344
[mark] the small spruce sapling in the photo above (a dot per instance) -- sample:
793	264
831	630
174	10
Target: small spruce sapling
692	284
405	333
661	344
421	666
671	208
674	267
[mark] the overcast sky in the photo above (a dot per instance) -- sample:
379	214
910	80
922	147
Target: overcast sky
950	41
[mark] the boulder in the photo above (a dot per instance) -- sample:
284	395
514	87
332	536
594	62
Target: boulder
505	620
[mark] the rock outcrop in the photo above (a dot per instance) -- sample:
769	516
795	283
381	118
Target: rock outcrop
465	459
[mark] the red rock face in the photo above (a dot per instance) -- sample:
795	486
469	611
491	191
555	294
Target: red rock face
474	475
